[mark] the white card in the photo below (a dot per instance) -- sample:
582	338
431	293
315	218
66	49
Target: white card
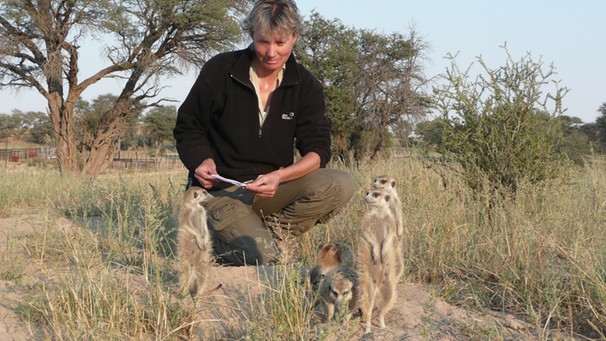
230	181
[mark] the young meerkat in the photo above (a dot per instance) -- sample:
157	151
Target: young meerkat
395	205
376	259
195	244
339	289
331	256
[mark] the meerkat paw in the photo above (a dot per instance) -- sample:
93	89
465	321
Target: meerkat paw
383	257
200	243
382	322
375	256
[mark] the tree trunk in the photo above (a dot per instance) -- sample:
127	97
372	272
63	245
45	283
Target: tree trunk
104	147
61	119
100	158
158	150
107	142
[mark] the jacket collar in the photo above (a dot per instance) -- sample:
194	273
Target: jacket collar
240	70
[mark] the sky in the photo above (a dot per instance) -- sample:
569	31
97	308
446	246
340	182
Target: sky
570	35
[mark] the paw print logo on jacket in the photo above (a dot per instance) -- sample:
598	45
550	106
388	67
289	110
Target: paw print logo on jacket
289	116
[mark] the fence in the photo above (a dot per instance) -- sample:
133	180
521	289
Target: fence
136	163
122	160
23	154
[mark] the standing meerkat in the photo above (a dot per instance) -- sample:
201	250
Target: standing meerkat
331	256
395	205
376	260
340	289
195	245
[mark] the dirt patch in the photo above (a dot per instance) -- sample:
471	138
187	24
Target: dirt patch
417	315
11	325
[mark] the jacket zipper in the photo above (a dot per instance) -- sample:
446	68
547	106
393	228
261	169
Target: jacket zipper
253	90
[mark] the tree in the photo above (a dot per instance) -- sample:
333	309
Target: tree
431	131
40	128
600	126
391	88
89	118
19	126
35	126
502	127
575	143
40	50
373	83
8	126
328	49
159	123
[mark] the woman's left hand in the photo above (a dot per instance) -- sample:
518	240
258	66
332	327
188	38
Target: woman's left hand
265	185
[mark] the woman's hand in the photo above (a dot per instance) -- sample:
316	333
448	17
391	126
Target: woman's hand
204	171
265	185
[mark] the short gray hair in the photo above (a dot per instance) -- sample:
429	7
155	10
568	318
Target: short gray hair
279	16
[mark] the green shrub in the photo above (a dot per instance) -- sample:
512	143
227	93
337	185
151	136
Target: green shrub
501	127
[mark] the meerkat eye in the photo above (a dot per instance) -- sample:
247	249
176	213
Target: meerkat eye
383	181
196	194
376	194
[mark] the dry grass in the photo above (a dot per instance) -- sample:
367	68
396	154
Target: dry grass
541	257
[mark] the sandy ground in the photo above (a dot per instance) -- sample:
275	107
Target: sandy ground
11	325
417	315
225	314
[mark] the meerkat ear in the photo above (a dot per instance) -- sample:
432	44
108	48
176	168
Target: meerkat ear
393	184
196	195
387	198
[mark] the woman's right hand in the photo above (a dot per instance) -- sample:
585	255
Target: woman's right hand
203	173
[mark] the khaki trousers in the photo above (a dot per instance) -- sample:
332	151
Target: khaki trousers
244	227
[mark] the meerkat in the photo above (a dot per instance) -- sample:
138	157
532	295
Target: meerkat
331	256
395	204
339	288
195	244
376	259
389	183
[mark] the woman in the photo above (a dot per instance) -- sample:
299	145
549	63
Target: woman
240	120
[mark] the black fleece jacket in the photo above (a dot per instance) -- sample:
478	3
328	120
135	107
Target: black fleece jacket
219	119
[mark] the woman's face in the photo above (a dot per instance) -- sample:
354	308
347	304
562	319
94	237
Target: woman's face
272	51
